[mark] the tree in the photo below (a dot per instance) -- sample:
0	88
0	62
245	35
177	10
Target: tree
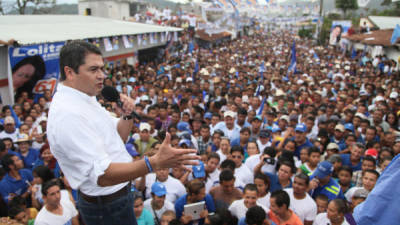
21	5
346	5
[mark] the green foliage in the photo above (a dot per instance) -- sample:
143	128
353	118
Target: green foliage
346	5
326	28
305	33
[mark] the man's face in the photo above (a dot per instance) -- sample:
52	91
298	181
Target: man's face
244	136
355	153
18	163
229	121
205	132
9	127
237	157
314	158
369	181
241	118
250	198
212	164
275	208
158	201
23	146
162	175
370	135
299	137
144	135
284	172
299	186
344	177
228	186
53	196
90	76
22	217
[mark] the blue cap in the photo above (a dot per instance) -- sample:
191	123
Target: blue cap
324	169
186	142
131	150
142	89
301	127
208	115
158	189
198	170
258	117
349	126
275	129
264	133
183	126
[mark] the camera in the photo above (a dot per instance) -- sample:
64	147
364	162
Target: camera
269	161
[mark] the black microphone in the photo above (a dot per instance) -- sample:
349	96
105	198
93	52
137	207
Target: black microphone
111	94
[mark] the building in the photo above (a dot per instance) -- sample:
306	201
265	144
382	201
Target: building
113	9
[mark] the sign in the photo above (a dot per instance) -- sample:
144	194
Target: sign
34	68
339	28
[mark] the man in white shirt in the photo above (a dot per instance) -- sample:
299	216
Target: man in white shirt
57	210
300	201
239	208
9	129
175	188
157	204
242	172
88	142
228	126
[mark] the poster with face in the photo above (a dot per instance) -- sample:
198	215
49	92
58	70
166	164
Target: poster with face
34	69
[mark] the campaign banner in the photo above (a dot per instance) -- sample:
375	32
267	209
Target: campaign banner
339	29
34	68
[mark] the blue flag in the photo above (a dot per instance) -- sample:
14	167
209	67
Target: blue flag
262	106
191	47
353	53
395	34
292	66
315	56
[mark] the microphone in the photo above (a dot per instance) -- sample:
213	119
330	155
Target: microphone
111	94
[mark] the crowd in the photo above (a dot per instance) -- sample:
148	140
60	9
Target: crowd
278	146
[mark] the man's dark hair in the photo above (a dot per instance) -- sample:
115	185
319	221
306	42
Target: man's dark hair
341	206
250	187
46	186
373	172
237	148
7	161
73	55
303	177
255	215
205	126
347	169
228	164
2	146
226	175
242	111
281	198
44	173
269	151
14	211
370	158
313	149
245	129
322	197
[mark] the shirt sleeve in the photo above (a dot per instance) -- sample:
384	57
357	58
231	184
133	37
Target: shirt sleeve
80	151
210	203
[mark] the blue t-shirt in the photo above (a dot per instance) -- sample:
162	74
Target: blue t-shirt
346	161
145	218
306	144
181	202
30	159
274	182
9	185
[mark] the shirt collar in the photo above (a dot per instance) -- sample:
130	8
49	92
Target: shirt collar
63	88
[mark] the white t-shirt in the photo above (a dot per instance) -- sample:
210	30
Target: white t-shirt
238	209
264	201
244	174
305	209
175	188
167	206
322	219
212	179
45	217
222	156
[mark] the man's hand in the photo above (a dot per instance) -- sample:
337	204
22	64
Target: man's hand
313	184
204	214
186	219
169	157
128	105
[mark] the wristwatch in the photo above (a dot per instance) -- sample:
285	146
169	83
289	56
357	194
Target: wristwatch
128	117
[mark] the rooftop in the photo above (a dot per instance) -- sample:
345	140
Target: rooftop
34	29
385	22
377	37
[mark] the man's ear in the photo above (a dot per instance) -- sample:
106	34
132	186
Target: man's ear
69	72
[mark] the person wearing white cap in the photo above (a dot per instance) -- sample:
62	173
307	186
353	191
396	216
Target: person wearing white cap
10	131
145	141
377	120
228	126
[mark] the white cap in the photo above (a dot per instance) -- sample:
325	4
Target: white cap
189	79
394	94
144	98
379	98
144	126
230	113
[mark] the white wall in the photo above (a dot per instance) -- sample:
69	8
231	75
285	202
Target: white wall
106	9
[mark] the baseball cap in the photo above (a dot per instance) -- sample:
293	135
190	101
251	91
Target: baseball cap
264	133
324	169
132	80
258	117
394	95
275	129
158	189
131	150
285	117
332	146
208	115
301	127
186	142
339	127
349	126
183	126
144	126
360	193
379	98
144	98
229	113
9	120
198	170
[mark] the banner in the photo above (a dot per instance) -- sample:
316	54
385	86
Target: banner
34	68
128	41
107	44
338	30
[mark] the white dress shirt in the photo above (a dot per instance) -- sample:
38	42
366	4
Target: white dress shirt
84	139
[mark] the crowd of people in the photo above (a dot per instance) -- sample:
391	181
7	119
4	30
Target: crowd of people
278	145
